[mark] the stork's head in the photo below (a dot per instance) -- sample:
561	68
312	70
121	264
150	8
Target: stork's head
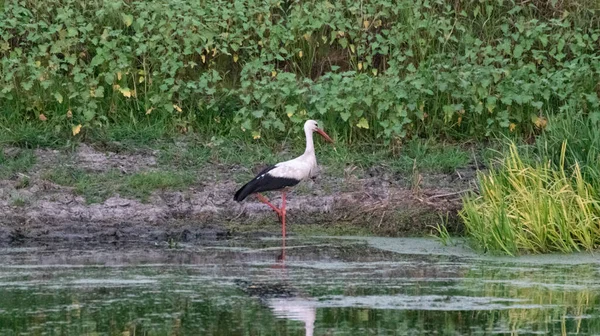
313	126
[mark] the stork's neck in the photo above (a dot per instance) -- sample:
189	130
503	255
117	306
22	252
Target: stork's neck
310	146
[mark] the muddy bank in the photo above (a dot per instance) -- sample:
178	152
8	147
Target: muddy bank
35	208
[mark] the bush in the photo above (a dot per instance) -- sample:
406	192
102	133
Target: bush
375	69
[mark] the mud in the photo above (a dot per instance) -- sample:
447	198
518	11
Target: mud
379	201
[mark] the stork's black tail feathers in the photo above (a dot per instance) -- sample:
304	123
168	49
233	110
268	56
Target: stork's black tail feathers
251	186
244	191
264	182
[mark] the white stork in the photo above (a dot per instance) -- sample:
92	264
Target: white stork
285	175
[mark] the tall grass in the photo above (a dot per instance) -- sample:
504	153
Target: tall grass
533	207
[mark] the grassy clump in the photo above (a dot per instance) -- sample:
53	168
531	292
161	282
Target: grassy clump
380	69
18	162
533	207
97	187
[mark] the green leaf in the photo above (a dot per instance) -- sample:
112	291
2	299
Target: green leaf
59	97
401	111
518	52
100	92
72	32
345	116
109	78
27	85
127	19
290	110
246	125
363	123
448	111
97	60
89	115
490	103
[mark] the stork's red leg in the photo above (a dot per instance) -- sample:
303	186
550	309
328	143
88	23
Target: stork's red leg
266	201
283	214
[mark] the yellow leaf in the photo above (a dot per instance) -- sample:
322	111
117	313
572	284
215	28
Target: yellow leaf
69	114
235	58
366	24
374	71
38	63
360	66
119	75
76	129
306	36
126	93
290	114
512	126
148	111
273	73
203	58
255	135
42	117
141	79
92	92
177	108
300	54
352	48
116	87
363	123
541	122
214	52
302	112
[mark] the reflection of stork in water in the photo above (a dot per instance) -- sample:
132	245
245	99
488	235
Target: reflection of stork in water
283	300
297	309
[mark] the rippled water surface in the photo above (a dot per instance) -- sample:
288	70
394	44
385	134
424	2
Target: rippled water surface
315	286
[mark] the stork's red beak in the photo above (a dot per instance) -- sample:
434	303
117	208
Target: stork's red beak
324	135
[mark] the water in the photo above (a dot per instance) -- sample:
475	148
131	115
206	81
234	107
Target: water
317	286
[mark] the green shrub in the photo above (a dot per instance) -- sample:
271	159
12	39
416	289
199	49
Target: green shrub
370	69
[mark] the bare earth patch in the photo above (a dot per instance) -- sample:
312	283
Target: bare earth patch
380	203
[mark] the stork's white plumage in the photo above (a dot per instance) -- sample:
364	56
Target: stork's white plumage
297	309
285	174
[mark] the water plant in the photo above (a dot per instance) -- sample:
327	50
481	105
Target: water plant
533	207
441	231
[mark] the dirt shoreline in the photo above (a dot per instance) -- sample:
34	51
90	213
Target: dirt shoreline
379	202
